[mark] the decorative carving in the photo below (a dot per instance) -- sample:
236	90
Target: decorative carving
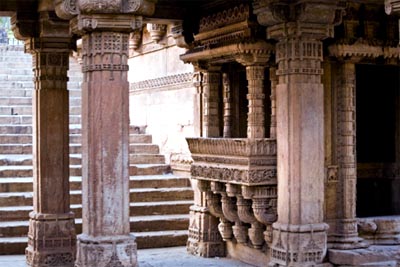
161	82
255	116
135	39
107	22
211	83
66	9
392	7
274	81
226	17
177	34
120	251
51	240
157	31
228	105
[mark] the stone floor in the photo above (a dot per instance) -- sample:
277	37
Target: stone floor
161	257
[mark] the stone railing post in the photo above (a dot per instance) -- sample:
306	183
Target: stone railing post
51	236
228	105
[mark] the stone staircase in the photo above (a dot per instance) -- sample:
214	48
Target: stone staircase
160	201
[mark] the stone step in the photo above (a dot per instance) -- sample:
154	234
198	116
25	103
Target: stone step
11	91
15	138
25	184
16	85
15	119
15	149
161	239
16	110
136	195
137	224
144	149
17	245
9	101
21	213
149	169
76	170
16	129
15	171
140	139
7	160
146	159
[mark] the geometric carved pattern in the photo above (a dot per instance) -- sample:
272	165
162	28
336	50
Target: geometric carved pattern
161	82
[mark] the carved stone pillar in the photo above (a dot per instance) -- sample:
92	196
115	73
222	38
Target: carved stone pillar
105	238
300	234
211	85
346	235
227	98
274	81
255	117
255	65
51	236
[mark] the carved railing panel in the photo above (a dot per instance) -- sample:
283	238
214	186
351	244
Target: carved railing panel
238	177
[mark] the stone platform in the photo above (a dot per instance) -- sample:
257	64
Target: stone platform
160	257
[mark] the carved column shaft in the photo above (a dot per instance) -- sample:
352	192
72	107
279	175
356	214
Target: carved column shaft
274	81
51	236
105	238
228	106
255	117
346	234
211	84
300	233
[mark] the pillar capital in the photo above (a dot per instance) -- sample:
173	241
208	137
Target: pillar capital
299	18
67	9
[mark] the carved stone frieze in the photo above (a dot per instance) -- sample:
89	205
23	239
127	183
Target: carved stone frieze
161	82
233	147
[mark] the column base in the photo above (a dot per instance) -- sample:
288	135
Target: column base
204	238
106	251
51	240
299	245
346	236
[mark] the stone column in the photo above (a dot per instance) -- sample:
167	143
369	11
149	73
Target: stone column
227	98
255	117
345	236
300	234
274	80
51	236
204	239
255	65
105	238
211	118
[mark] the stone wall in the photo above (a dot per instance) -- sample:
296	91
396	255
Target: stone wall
162	96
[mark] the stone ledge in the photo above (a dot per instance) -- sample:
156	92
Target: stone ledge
372	256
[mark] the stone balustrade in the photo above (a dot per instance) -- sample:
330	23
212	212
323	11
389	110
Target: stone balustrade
238	177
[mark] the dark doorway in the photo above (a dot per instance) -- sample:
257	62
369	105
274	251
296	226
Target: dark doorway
377	92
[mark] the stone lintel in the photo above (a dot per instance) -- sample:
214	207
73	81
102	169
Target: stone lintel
106	251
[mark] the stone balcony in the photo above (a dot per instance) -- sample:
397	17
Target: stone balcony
238	178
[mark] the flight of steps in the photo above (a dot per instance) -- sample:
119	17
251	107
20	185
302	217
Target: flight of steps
159	200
